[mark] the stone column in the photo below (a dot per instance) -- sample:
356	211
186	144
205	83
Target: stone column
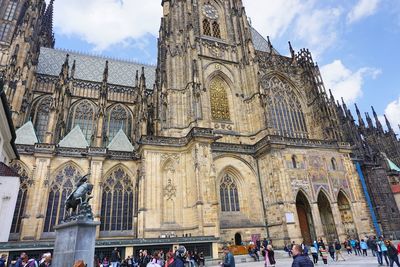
338	221
319	230
96	178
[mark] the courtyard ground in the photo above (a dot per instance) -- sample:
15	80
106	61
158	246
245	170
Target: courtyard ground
352	261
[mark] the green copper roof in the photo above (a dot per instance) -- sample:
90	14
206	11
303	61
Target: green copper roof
393	166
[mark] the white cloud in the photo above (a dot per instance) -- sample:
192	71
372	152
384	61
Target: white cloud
392	112
107	22
344	82
362	9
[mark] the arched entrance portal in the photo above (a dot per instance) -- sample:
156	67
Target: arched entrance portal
238	239
305	218
346	215
328	223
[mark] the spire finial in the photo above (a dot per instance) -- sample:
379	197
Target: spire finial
389	126
73	69
105	73
377	121
331	96
47	26
270	45
292	53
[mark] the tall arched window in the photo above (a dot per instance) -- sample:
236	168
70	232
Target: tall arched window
61	186
294	162
117	202
118	118
40	117
219	100
19	211
206	27
83	115
284	109
333	164
229	194
216	30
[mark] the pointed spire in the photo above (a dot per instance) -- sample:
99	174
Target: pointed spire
47	26
105	73
377	121
137	78
292	53
331	96
65	67
73	69
142	79
389	126
369	121
360	119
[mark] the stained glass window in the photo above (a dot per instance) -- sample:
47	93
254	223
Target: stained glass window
219	100
4	32
117	202
83	115
40	117
333	164
61	186
206	27
285	113
10	11
229	195
19	211
118	118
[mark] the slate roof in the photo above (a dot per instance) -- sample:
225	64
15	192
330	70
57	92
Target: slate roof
26	135
121	143
6	171
74	139
91	68
121	72
260	43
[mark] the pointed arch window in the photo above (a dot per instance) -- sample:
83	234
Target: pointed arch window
294	162
83	114
216	30
118	118
117	202
285	114
61	186
229	195
206	27
40	116
25	183
333	164
5	32
219	100
10	11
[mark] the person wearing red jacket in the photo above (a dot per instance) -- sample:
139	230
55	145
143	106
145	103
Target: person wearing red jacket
398	248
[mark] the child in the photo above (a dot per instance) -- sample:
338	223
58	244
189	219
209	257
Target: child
324	254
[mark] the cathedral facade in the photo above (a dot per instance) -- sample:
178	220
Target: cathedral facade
224	141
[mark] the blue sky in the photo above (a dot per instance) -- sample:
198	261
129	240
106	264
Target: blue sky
354	41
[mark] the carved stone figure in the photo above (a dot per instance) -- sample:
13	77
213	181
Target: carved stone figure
79	198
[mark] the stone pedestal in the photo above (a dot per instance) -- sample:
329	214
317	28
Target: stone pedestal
75	240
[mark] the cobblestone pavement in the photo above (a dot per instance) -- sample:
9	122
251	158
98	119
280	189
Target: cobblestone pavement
351	261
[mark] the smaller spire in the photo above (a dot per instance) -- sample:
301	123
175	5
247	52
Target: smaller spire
142	79
47	26
292	53
331	96
105	73
360	119
73	69
377	121
65	67
389	126
369	121
137	78
271	47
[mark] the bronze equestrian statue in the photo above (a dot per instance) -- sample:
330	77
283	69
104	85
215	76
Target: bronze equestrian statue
80	198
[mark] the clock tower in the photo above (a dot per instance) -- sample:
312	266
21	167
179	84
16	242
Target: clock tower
207	73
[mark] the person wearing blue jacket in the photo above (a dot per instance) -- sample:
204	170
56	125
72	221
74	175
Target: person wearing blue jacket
299	259
229	260
364	247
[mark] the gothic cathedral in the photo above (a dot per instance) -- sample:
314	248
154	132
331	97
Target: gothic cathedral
224	141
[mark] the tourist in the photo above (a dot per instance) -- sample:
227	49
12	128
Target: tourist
358	247
155	261
180	256
46	260
331	250
300	260
324	254
115	258
105	263
338	250
269	256
314	253
348	247
382	251
229	259
96	261
3	260
364	247
321	244
371	244
392	253
202	260
129	261
353	245
144	259
169	259
26	262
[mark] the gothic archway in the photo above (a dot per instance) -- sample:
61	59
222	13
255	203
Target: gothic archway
346	215
327	220
305	218
238	239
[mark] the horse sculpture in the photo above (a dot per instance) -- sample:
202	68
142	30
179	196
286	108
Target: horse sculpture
80	198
